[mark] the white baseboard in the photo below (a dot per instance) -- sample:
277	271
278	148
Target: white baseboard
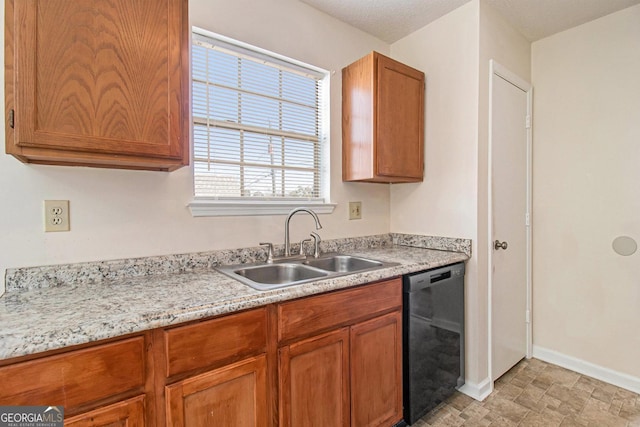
601	373
477	391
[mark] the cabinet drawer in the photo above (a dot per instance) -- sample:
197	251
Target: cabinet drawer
323	312
223	339
74	378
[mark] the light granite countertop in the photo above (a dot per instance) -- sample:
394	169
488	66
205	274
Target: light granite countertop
37	319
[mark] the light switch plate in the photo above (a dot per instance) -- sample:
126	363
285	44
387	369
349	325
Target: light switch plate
355	210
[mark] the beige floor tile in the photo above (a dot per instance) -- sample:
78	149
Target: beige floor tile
561	376
550	402
477	422
507	409
497	420
630	412
603	394
616	405
570	397
530	404
474	411
545	419
509	391
460	401
622	393
444	418
595	416
588	384
536	393
573	422
522	379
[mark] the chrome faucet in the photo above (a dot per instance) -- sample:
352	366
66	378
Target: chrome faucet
287	243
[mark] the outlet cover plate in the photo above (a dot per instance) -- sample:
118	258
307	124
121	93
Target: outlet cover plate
56	215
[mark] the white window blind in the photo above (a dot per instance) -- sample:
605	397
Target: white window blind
257	124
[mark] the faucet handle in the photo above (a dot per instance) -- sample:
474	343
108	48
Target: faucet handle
316	244
302	242
269	251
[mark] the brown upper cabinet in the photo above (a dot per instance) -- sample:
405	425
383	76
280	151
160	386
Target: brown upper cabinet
382	121
98	83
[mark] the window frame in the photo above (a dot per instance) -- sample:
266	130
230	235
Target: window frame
242	206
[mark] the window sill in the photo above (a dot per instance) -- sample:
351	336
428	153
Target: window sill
204	207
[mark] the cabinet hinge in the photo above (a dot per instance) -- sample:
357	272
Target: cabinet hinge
11	118
528	122
527	219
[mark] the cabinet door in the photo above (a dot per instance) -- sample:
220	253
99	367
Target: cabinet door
106	88
314	381
234	395
129	413
376	371
399	120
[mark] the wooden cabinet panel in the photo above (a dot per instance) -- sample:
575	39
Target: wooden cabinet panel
107	88
128	413
226	338
78	377
358	120
376	371
399	120
382	121
319	313
314	381
231	396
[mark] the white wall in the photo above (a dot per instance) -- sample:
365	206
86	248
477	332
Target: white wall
454	52
587	191
444	204
119	214
502	43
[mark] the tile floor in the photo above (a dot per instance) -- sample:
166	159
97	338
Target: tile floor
535	393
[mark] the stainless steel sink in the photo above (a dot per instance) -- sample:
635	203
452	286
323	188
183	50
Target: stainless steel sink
277	274
343	263
270	276
288	273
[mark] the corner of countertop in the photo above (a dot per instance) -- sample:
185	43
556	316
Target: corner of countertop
450	244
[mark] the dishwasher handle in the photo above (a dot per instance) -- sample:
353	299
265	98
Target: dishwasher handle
439	277
426	279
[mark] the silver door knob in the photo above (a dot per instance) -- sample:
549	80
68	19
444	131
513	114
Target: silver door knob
497	245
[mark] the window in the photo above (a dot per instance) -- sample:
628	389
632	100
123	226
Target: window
259	133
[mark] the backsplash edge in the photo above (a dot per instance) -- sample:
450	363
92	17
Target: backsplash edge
450	244
27	278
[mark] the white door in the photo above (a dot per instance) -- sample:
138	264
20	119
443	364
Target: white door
510	142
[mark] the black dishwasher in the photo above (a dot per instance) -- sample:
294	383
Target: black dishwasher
433	338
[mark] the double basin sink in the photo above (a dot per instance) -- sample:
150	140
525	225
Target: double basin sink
288	273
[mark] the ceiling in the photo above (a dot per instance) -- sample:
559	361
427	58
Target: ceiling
390	20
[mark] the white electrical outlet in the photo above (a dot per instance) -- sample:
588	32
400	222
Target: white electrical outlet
56	215
355	210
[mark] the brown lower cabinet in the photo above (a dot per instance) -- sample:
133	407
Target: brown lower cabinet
314	381
234	395
129	413
332	359
97	385
376	371
341	364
